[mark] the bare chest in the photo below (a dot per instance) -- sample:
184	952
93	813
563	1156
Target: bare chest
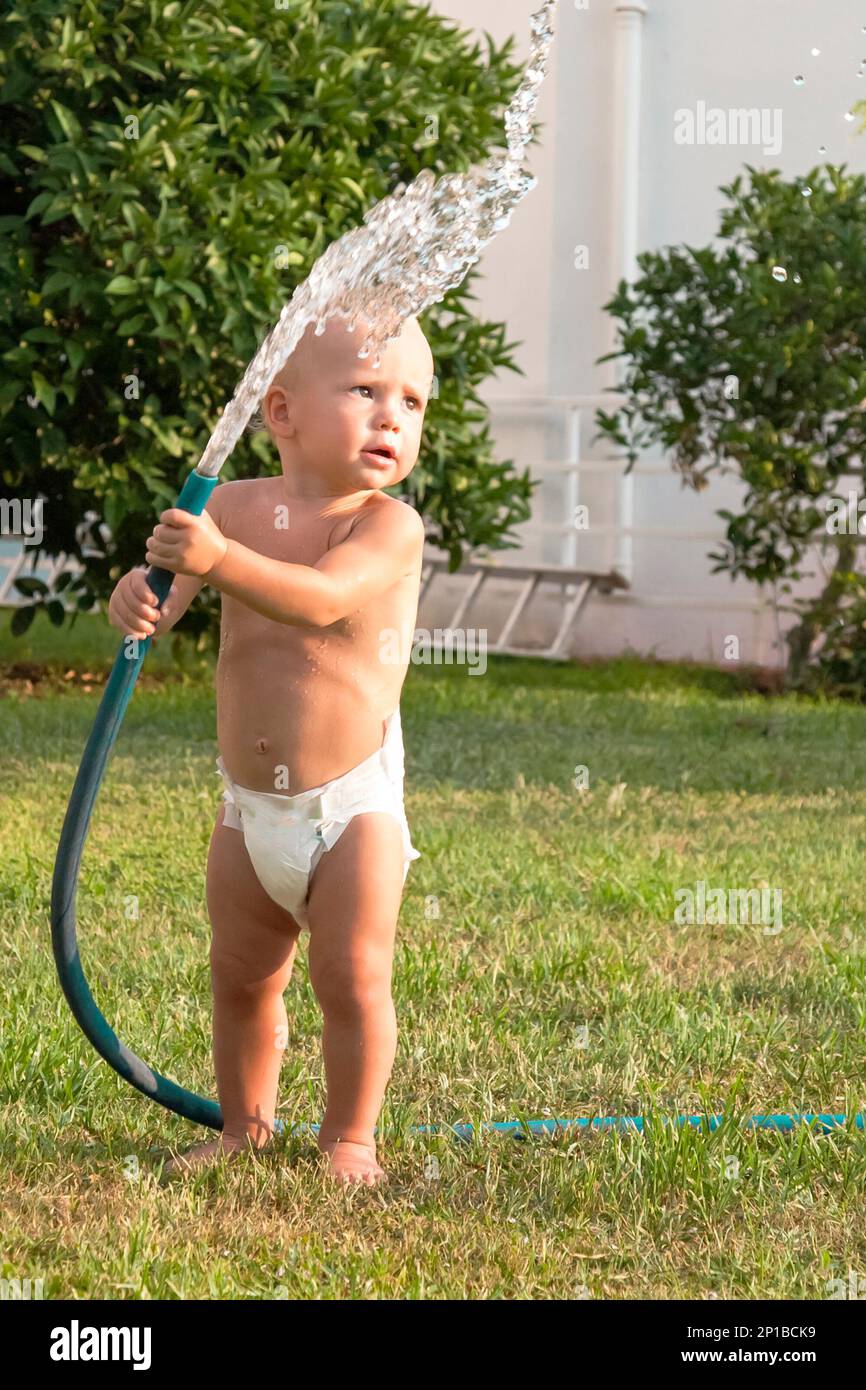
272	528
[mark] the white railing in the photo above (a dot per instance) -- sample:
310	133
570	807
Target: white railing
14	566
19	560
620	554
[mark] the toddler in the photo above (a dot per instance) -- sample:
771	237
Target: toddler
319	572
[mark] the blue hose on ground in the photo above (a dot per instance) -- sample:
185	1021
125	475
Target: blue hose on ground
522	1129
106	726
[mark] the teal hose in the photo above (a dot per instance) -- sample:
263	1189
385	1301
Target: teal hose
519	1129
823	1124
109	717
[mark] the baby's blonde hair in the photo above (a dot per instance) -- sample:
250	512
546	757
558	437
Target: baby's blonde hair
292	369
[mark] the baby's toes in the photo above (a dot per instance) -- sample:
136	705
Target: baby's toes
348	1166
368	1175
191	1161
201	1156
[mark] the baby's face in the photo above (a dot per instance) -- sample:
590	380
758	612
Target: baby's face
330	410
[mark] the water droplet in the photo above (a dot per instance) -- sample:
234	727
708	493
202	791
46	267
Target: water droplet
849	115
364	352
807	192
798	279
816	52
799	80
822	149
779	272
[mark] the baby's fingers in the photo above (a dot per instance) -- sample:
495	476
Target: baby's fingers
142	600
133	623
141	590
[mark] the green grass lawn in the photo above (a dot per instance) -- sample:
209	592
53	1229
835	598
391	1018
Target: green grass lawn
539	972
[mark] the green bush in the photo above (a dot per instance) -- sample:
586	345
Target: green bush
747	357
170	173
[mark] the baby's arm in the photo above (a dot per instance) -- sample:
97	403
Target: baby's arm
382	547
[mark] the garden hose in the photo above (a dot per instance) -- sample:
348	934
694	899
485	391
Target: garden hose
106	726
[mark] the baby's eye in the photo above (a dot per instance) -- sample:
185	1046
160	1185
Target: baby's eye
362	388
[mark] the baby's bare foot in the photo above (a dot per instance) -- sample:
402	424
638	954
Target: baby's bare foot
353	1162
205	1155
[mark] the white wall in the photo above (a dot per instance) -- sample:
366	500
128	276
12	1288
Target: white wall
728	54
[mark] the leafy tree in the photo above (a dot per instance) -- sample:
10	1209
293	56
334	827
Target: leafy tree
170	173
748	358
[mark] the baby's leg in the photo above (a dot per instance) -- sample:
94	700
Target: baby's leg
353	907
253	945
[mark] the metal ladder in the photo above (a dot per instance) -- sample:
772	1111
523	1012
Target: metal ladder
583	582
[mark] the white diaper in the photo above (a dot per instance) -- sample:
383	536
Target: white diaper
286	836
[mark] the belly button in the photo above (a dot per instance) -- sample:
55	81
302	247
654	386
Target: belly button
261	745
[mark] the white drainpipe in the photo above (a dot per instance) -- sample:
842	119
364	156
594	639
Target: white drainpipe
629	15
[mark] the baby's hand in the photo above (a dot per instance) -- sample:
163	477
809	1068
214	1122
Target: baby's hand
133	606
186	544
